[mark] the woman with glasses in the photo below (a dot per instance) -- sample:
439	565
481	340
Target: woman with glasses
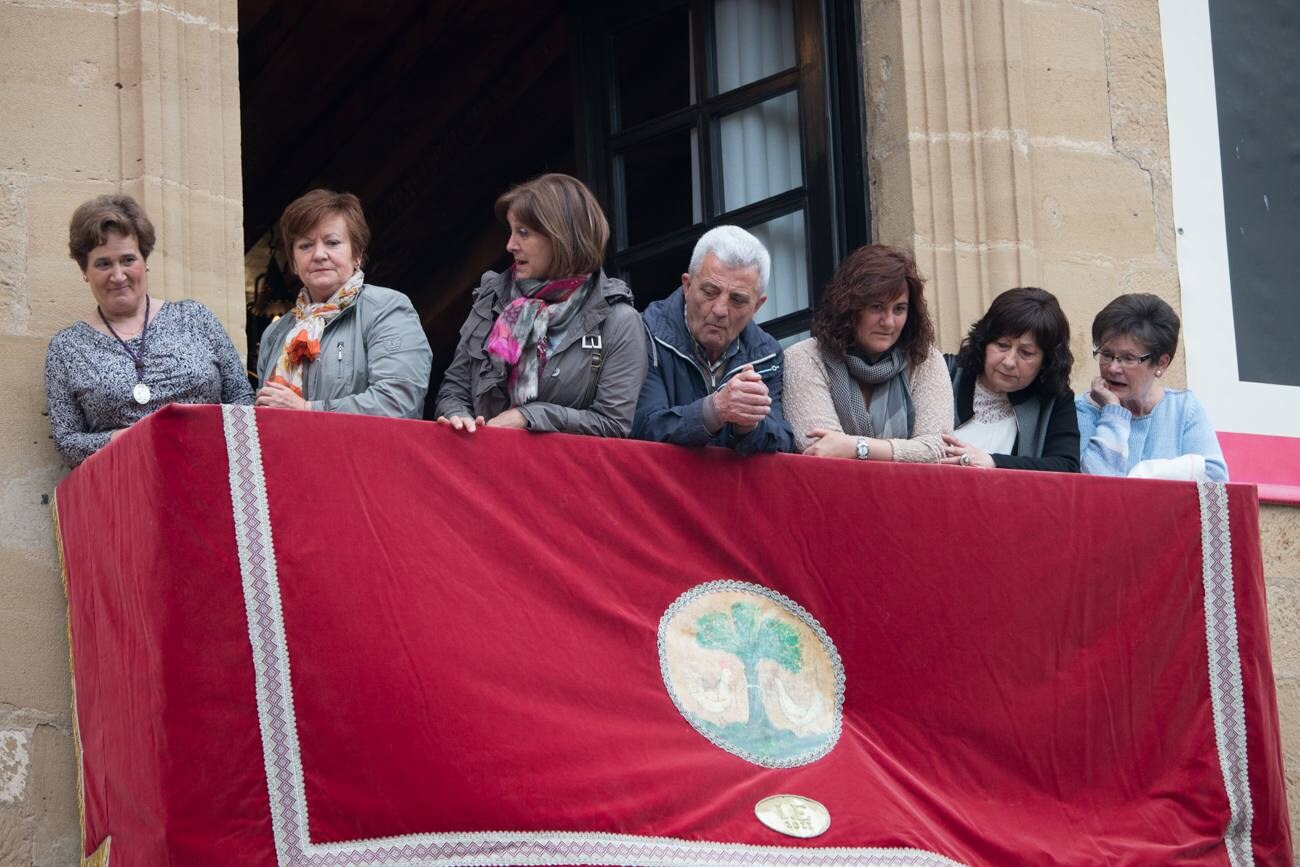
1011	385
1129	423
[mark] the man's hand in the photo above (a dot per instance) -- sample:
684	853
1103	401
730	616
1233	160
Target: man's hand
743	402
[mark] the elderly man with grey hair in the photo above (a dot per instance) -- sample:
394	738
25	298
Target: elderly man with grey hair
715	376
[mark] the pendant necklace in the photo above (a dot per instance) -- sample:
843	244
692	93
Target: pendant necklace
141	392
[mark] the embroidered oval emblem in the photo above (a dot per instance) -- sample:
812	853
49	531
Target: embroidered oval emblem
753	672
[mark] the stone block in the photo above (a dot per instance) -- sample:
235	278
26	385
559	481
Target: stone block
1139	120
1284	625
1279	529
1092	204
886	80
56	837
33	635
15	847
1288	707
896	213
1066	88
60	95
1083	286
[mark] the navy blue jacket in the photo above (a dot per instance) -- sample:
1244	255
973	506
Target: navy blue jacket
671	406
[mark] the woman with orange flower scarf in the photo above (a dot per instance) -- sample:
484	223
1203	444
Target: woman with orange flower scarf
346	346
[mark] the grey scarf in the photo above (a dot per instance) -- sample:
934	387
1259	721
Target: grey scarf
891	414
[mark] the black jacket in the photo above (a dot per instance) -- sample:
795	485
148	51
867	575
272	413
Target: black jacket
1048	429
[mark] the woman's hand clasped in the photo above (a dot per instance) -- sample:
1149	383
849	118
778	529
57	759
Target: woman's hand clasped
280	396
961	454
831	444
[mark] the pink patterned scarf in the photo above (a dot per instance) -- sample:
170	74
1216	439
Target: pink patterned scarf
522	335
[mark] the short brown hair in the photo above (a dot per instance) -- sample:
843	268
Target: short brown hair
1146	318
562	209
310	208
102	216
873	273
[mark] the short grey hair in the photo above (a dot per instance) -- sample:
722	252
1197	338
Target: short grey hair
734	248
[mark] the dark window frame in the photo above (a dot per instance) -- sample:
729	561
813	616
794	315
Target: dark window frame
827	79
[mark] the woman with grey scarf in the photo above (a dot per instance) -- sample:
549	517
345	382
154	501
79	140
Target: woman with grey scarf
870	384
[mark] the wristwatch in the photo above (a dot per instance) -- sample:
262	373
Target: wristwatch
864	448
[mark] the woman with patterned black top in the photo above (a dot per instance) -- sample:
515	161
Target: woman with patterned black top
135	354
1011	387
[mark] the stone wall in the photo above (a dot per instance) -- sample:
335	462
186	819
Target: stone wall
1026	142
97	97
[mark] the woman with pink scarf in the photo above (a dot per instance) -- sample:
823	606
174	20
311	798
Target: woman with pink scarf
551	344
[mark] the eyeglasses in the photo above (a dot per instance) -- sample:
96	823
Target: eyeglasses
1107	358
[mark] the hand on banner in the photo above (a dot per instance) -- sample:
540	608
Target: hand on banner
512	418
280	396
462	422
961	454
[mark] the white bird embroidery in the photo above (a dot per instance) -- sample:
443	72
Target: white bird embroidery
800	716
716	699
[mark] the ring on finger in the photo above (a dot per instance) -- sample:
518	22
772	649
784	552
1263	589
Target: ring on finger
965	460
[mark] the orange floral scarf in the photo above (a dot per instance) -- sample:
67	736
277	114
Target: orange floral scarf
303	343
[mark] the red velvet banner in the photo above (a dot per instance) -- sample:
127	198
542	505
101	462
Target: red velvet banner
317	639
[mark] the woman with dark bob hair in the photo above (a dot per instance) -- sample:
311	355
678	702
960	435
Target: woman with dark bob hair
869	384
135	354
551	344
1011	385
346	346
1129	423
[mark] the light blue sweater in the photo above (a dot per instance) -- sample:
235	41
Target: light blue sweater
1114	442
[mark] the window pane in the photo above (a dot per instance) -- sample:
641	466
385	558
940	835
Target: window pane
655	278
753	39
787	284
653	67
660	188
760	151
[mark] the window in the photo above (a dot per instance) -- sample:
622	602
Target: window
704	112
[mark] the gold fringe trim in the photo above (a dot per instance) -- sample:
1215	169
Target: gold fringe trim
99	858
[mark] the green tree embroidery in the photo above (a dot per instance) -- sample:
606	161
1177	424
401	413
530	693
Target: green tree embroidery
751	639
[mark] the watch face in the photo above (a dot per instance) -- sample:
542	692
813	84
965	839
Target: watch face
863	450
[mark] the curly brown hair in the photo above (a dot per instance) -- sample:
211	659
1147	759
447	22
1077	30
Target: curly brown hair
876	272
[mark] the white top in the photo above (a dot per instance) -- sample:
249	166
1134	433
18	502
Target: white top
992	428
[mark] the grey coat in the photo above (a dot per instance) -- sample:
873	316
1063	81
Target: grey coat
374	359
591	380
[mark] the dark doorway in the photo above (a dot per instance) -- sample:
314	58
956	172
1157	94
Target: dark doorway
427	111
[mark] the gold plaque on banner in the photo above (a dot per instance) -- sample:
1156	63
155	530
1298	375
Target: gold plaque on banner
793	815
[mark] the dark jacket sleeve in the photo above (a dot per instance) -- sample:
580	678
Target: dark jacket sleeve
657	420
611	412
1061	448
454	396
773	434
